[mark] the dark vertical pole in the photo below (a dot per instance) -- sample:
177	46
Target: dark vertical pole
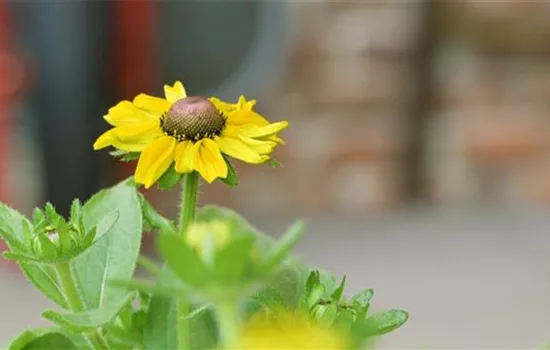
422	97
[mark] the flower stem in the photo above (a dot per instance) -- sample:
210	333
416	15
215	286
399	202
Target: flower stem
188	207
94	338
229	323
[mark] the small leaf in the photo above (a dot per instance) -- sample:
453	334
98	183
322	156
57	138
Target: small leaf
27	232
124	155
363	298
51	214
313	280
39	219
325	314
183	260
283	246
315	295
274	163
232	179
153	217
337	294
88	320
76	209
383	323
170	178
47	248
65	239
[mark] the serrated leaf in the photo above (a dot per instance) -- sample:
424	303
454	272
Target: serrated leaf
337	294
51	214
38	219
232	179
114	254
170	178
92	319
383	322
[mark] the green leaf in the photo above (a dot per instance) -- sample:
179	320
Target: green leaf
364	297
42	276
384	322
147	287
233	259
182	259
284	288
325	314
42	339
344	320
160	331
124	155
315	295
283	246
39	220
52	214
47	249
337	294
76	210
232	179
154	218
114	254
274	163
88	320
170	178
11	228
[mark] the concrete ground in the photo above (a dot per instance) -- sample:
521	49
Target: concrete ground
470	280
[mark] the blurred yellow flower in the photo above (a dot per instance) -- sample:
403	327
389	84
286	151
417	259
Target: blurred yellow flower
197	232
191	131
288	331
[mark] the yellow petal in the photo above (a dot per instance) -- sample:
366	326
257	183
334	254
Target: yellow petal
174	93
126	113
109	138
239	150
184	156
222	106
209	161
246	117
259	146
151	104
155	160
263	131
137	131
105	140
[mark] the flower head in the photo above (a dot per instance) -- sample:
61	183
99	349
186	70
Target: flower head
194	132
288	331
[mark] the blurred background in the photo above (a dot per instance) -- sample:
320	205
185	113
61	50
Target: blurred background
418	144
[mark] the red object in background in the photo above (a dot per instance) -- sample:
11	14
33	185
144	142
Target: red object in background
11	84
136	64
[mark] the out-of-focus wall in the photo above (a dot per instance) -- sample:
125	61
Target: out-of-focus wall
347	95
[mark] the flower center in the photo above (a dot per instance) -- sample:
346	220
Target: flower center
192	118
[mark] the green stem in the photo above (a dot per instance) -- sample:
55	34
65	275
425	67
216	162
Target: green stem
75	303
188	207
229	322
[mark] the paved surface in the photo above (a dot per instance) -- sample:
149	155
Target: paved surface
470	281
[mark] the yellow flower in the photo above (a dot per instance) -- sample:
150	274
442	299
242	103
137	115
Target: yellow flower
191	131
288	331
197	232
